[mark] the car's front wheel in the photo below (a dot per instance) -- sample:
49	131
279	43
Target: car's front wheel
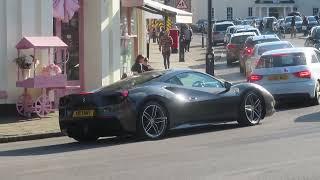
153	121
251	109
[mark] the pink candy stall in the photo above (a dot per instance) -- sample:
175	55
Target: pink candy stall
37	74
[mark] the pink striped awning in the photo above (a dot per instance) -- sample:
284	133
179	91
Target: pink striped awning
65	9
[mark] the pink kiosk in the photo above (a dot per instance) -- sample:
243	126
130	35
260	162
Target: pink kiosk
47	78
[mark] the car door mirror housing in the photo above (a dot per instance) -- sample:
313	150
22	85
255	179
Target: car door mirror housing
227	85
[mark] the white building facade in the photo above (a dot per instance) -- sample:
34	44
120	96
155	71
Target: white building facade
233	9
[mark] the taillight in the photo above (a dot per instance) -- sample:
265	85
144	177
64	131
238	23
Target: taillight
85	93
303	74
254	78
125	93
231	46
248	51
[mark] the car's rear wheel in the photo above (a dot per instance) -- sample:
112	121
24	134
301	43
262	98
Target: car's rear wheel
82	134
316	99
251	109
153	121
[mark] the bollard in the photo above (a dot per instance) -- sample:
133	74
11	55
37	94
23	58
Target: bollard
148	49
202	39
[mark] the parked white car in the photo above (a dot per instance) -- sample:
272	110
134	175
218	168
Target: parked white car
259	49
290	74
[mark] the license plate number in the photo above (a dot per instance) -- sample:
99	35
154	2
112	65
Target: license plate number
83	113
278	77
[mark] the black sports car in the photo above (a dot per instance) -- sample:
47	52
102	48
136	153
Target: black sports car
152	103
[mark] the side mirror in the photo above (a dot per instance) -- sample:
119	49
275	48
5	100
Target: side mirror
227	85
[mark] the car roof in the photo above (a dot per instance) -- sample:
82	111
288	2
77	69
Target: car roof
289	50
270	36
222	23
272	43
247	28
244	34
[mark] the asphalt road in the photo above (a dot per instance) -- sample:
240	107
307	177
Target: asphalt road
285	146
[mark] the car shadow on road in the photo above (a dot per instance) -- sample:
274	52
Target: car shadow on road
109	142
314	117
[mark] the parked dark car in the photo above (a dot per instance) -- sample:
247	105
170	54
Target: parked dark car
313	38
235	45
152	103
247	50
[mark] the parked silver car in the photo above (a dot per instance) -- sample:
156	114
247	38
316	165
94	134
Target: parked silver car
218	32
259	49
290	74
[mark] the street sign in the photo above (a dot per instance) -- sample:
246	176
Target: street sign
182	4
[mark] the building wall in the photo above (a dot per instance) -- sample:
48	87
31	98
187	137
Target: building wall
240	8
101	43
20	18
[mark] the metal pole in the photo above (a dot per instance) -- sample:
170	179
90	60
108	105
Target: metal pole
209	55
202	36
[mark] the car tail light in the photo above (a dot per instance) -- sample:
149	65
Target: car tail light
231	46
303	74
254	78
85	93
248	51
125	93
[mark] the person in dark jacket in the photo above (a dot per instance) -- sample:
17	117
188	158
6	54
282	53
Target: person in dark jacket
293	27
137	67
305	24
146	66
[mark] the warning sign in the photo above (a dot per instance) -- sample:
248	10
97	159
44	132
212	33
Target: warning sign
182	4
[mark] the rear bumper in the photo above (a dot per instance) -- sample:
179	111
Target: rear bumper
102	124
288	91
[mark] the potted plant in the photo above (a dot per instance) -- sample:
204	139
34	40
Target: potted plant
24	62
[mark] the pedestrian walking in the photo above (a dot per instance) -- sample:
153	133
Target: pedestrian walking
254	23
305	24
162	30
188	37
261	28
165	47
154	35
293	27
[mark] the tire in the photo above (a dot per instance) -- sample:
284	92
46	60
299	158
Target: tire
316	100
82	134
251	109
153	122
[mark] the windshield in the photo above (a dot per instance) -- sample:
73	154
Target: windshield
281	60
264	49
239	39
132	81
312	18
288	19
222	27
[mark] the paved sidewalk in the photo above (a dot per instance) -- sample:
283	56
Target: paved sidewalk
19	129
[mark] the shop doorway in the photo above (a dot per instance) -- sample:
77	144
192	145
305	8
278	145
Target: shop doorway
274	11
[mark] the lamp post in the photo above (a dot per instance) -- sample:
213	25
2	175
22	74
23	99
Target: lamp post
210	54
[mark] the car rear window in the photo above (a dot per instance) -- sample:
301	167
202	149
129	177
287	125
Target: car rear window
281	60
312	18
253	30
239	39
222	27
264	49
265	40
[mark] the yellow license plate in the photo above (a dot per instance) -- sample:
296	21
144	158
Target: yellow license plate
83	113
278	77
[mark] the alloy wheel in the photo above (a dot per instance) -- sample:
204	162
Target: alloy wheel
154	121
253	108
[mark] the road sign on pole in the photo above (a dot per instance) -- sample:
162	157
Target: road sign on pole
182	4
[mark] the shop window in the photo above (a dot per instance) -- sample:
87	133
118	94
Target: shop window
212	13
315	11
250	11
70	35
229	13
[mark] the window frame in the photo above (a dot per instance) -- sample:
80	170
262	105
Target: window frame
195	73
229	13
250	11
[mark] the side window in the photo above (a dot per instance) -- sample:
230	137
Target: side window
314	59
194	79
